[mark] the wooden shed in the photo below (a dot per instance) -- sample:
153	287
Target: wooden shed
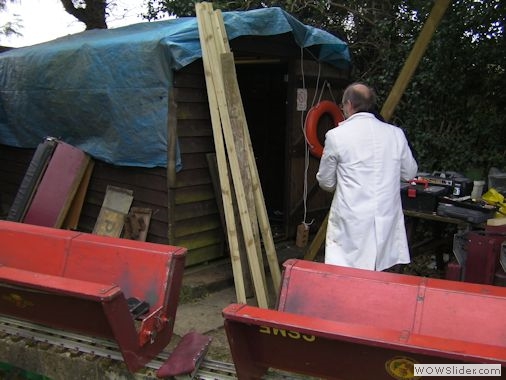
279	81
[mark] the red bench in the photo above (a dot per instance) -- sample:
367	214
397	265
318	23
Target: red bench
343	323
81	282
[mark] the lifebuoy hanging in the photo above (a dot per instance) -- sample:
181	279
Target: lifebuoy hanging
312	119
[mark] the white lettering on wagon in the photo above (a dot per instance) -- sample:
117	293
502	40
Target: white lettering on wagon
286	333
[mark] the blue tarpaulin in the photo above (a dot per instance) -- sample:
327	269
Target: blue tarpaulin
106	91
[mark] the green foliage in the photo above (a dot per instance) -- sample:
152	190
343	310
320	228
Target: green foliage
453	106
452	110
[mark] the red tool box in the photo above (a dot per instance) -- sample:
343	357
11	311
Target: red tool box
342	323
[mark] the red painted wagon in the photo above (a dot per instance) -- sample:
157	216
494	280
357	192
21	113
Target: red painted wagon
342	323
95	285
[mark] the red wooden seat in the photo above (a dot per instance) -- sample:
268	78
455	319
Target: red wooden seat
81	282
343	323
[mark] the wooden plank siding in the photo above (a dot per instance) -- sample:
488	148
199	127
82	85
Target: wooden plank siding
185	211
149	191
13	164
193	220
193	208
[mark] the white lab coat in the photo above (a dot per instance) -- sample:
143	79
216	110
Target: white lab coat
363	162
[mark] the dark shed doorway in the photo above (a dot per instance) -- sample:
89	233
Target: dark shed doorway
264	95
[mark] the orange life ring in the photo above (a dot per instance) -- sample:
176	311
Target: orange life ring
312	119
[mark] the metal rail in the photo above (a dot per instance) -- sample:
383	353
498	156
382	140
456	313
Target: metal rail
208	369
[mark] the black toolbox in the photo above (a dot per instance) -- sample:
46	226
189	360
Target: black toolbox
471	212
420	196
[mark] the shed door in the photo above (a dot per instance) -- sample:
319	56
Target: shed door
264	96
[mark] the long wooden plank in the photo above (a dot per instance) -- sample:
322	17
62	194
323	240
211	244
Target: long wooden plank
211	55
222	164
222	45
248	221
236	124
237	114
435	16
57	187
248	240
213	167
318	240
232	88
236	109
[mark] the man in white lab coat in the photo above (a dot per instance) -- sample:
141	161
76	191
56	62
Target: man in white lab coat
363	162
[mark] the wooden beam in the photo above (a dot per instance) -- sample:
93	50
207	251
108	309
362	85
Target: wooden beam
213	167
222	161
236	107
318	240
171	141
414	57
211	40
237	114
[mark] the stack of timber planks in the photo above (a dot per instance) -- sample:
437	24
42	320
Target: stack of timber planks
241	189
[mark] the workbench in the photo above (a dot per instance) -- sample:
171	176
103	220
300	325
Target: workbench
437	226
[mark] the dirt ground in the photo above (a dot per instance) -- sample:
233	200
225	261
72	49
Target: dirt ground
204	316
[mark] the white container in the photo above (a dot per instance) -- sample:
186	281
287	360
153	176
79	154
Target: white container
477	189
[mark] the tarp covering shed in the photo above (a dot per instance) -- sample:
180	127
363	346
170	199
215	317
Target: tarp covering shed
106	91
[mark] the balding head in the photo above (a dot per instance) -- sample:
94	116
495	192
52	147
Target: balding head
358	97
362	89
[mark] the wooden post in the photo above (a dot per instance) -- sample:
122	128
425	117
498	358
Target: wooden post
318	240
237	113
223	167
171	140
207	44
233	91
220	70
414	57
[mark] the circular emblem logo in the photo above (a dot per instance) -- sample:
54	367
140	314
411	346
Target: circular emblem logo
401	368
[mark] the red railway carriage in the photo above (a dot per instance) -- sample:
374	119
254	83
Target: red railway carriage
342	323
